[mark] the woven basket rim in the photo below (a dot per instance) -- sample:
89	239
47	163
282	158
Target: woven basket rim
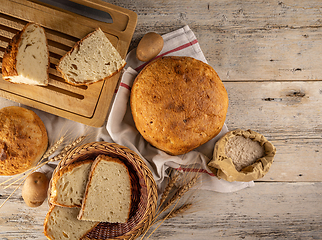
146	184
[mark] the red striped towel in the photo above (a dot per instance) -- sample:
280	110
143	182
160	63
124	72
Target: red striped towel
121	127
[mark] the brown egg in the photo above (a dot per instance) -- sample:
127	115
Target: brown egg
34	190
149	47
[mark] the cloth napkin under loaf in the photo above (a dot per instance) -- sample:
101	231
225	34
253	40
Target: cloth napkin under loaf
121	127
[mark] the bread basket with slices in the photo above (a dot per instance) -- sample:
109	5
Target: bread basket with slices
143	193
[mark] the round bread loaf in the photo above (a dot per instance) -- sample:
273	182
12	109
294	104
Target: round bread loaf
23	140
178	104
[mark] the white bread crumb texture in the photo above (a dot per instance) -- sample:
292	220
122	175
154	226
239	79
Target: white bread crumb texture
62	224
94	59
109	193
32	57
71	185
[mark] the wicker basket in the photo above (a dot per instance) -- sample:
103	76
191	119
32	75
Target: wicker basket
144	190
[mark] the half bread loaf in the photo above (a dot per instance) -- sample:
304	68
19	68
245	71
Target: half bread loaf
108	192
92	59
26	59
69	183
61	223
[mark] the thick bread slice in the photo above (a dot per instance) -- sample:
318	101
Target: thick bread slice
61	223
92	59
69	183
108	192
26	59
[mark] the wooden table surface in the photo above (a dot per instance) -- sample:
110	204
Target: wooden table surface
269	56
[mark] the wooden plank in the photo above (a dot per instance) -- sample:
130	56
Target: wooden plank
288	114
283	109
19	221
244	40
268	211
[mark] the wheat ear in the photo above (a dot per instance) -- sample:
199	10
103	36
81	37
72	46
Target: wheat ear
41	163
180	192
178	211
168	188
53	149
67	148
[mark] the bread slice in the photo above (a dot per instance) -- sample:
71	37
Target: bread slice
61	223
108	192
92	59
69	183
26	59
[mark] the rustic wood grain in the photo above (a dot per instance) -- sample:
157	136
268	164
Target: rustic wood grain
288	114
268	54
268	211
17	220
243	40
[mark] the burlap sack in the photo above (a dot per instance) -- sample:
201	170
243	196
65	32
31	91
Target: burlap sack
224	168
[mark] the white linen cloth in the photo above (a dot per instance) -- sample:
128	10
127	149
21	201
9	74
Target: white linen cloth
120	127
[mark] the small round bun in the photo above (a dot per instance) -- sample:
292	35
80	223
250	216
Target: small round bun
178	104
23	140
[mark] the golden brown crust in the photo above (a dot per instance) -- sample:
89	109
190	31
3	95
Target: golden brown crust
23	140
77	44
9	61
58	175
94	165
10	57
178	104
46	221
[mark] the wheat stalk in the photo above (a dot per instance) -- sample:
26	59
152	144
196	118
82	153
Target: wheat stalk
168	188
173	201
178	211
67	148
53	149
181	191
175	212
13	177
11	194
171	214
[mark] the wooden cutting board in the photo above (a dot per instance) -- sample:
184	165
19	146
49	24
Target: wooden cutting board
86	104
